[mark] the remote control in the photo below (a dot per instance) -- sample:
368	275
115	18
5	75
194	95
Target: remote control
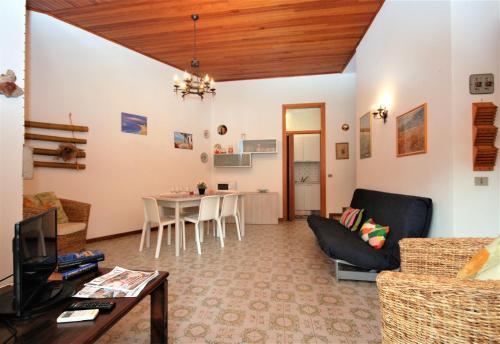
103	306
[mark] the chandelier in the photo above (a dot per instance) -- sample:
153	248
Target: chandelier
192	82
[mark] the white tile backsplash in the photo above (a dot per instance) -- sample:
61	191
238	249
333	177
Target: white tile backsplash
307	169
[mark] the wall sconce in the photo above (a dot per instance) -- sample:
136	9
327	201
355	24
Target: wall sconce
381	113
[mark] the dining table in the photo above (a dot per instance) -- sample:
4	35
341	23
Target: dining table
180	201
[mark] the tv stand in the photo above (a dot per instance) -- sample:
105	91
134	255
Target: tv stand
50	295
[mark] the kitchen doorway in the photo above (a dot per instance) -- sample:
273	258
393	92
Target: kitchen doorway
304	164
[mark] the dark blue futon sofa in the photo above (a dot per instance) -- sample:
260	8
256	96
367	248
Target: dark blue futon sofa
407	216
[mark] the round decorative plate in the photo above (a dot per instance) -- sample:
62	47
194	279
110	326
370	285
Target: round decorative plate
204	158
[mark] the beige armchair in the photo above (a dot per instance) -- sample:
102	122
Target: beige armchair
426	303
71	236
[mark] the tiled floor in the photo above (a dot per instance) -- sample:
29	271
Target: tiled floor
275	286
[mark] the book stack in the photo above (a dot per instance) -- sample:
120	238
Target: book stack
75	264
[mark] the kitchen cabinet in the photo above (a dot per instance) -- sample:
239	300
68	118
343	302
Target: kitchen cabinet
300	196
306	147
311	147
307	196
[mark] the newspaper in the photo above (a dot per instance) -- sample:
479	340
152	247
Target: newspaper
119	282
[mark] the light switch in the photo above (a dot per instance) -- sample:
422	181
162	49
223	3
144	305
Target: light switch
481	181
481	84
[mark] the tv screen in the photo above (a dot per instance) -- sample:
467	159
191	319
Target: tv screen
35	257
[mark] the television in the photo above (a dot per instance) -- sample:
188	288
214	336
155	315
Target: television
34	250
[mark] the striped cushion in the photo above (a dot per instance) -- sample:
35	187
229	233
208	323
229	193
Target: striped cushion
374	234
349	217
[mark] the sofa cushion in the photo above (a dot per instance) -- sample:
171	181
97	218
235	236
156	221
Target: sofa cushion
349	218
31	201
70	227
339	243
374	234
484	265
49	200
407	216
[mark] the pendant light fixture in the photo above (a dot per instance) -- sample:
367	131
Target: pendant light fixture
192	82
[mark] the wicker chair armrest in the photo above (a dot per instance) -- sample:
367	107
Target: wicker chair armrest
76	211
430	309
438	256
32	211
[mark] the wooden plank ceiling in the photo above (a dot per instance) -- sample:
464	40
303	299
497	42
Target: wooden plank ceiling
237	39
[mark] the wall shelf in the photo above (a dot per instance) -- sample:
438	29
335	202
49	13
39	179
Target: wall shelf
50	138
233	160
267	146
484	134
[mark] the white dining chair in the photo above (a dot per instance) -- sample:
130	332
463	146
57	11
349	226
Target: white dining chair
152	215
208	210
230	208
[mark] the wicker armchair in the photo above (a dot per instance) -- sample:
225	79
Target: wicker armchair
78	212
425	303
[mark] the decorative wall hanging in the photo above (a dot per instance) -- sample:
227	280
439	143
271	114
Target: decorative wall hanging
206	133
134	124
365	136
345	127
411	131
8	85
342	150
204	158
67	149
183	140
222	129
484	134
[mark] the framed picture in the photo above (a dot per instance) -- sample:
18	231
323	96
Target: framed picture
183	140
342	150
134	124
411	131
365	136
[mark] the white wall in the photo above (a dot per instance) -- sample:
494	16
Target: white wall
254	107
12	24
73	71
416	52
475	44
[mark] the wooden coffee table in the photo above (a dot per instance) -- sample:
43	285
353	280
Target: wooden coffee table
45	329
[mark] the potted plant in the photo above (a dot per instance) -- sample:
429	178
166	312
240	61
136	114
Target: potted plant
201	187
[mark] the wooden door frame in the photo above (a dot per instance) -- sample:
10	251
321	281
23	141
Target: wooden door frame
322	135
291	174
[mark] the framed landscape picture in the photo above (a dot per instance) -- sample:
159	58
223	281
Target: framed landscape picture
183	140
134	124
342	150
365	136
411	131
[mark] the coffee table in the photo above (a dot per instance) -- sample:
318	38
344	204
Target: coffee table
45	329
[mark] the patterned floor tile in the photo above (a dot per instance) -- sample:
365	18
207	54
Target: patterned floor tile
275	286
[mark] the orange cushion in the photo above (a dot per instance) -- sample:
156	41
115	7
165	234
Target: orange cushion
30	201
50	200
484	265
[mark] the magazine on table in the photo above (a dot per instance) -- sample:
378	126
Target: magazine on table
71	260
119	282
